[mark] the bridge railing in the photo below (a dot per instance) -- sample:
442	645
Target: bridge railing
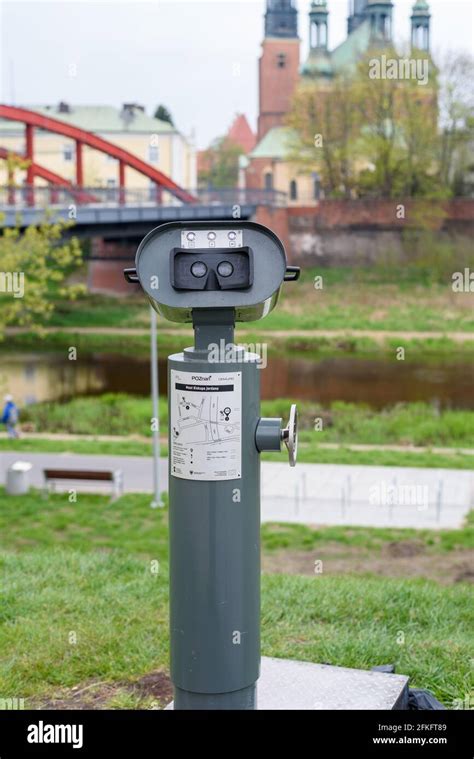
52	196
60	196
234	196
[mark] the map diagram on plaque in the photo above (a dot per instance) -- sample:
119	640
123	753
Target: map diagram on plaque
206	419
205	422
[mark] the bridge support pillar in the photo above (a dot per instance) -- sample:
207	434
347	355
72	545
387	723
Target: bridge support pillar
121	183
79	165
30	171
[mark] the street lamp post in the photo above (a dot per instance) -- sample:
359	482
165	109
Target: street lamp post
157	502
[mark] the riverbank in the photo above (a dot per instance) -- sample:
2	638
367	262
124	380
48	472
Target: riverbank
380	298
404	425
415	434
424	346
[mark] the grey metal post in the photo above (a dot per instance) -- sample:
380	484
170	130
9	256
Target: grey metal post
215	550
157	501
214	274
343	502
439	501
297	498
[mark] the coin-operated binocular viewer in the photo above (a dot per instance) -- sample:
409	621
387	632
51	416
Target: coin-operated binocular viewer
213	274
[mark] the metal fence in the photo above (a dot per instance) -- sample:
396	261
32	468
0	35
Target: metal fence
60	197
349	502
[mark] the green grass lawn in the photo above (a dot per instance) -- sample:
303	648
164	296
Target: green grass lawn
80	601
417	424
382	299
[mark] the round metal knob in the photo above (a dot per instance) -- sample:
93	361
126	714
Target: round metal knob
289	435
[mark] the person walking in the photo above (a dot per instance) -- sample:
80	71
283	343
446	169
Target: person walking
10	416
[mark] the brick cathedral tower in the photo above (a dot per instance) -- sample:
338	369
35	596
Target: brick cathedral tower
279	64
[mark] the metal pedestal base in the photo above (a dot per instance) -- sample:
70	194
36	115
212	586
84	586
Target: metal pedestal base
287	684
244	699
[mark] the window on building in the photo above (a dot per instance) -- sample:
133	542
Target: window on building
293	190
269	181
316	185
153	153
68	152
281	60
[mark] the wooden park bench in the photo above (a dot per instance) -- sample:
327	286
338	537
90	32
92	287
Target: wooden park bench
52	476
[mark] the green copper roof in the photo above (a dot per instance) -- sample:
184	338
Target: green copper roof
318	8
98	118
317	64
421	8
275	144
355	45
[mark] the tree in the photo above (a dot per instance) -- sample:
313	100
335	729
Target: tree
163	114
456	115
378	135
324	124
398	132
34	263
221	164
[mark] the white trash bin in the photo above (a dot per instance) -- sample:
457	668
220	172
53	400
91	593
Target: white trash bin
18	481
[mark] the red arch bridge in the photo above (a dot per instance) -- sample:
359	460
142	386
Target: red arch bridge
115	219
59	193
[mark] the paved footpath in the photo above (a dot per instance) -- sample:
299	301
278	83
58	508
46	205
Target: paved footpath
310	493
68	437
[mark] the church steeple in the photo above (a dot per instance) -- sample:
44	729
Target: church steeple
279	64
318	64
281	19
357	11
380	15
318	25
420	26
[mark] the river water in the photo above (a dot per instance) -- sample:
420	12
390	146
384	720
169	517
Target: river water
34	377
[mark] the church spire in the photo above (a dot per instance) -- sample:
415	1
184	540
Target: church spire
420	26
380	16
318	25
281	19
357	11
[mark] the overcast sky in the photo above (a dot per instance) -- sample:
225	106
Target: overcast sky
198	58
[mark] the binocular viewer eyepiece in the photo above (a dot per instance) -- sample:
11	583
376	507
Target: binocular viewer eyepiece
183	266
